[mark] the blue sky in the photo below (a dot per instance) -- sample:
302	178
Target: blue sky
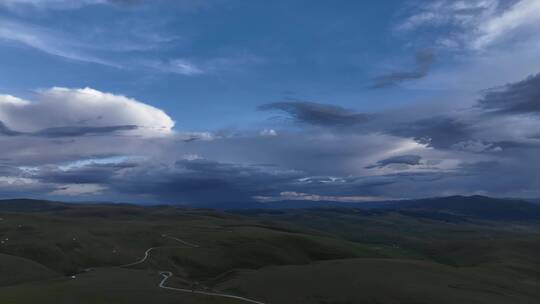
347	101
236	54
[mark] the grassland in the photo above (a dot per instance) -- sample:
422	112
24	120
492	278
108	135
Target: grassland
108	285
379	281
325	256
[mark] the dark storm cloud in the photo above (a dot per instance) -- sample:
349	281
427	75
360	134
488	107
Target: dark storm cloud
4	130
88	174
493	124
424	60
510	146
67	131
519	97
82	131
500	176
438	132
319	152
411	160
202	181
317	113
191	139
480	166
8	170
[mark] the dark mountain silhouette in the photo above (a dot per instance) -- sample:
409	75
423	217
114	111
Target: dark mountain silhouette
452	208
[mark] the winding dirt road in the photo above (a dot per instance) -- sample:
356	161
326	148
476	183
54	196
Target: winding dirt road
167	274
146	254
181	241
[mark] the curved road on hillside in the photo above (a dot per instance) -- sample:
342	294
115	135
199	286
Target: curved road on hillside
181	241
146	254
167	274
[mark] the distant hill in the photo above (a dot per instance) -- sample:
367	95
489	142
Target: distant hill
290	204
534	200
474	206
30	205
452	208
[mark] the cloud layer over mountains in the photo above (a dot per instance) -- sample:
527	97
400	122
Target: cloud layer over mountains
179	102
83	143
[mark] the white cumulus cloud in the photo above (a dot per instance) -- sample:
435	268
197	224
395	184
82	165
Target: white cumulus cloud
63	107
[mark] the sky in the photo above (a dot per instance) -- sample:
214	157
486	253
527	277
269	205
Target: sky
227	101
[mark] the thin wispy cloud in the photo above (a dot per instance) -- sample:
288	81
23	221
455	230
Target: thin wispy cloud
476	24
61	4
48	41
95	49
175	66
235	63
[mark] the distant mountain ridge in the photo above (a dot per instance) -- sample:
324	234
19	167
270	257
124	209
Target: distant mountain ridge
477	206
30	205
452	208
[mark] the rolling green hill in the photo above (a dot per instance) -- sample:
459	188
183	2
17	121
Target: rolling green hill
328	255
380	281
17	270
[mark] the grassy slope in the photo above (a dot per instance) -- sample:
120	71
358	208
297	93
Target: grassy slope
15	270
70	241
379	281
288	253
112	285
468	243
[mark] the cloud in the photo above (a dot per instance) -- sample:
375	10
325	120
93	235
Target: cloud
67	131
50	148
188	5
502	121
82	131
200	180
62	112
437	132
122	42
239	61
100	44
317	113
521	17
411	160
78	190
125	2
476	146
63	4
195	136
268	132
91	173
298	196
48	41
423	60
518	97
4	130
476	24
447	12
176	66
